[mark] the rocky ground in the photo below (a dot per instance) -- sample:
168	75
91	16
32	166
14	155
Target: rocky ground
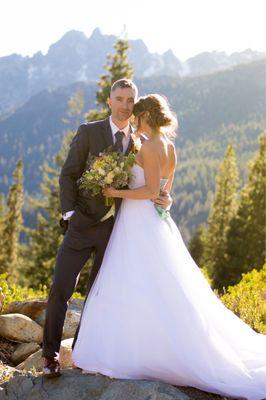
15	384
21	365
6	366
75	385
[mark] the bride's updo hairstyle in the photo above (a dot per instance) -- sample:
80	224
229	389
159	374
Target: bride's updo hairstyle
158	114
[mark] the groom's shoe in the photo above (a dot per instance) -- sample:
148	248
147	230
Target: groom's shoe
51	367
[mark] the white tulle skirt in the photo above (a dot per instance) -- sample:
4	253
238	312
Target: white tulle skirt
151	314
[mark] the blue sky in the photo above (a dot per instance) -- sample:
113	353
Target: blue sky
188	27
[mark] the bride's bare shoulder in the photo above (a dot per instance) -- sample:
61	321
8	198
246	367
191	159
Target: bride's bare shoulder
149	145
150	150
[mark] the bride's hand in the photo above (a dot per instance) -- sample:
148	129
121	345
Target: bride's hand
109	192
164	200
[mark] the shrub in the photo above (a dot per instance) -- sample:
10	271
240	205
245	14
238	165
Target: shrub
13	292
247	299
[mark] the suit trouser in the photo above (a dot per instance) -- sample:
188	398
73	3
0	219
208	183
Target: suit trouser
69	264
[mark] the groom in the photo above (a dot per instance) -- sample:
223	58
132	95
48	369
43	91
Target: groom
87	221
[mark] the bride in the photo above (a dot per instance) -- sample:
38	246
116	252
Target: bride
151	313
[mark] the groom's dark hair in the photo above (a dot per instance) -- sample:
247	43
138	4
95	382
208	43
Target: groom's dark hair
125	83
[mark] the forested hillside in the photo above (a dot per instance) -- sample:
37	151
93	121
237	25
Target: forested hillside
212	110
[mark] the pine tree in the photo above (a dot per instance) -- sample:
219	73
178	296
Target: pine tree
196	244
245	245
222	211
117	67
1	229
75	108
1	214
45	240
12	225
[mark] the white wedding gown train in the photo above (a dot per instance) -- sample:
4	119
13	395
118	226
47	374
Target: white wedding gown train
151	314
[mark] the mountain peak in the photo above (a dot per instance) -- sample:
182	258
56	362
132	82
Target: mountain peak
96	33
67	43
73	35
169	52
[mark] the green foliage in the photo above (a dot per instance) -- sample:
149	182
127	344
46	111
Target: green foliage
246	236
44	241
234	241
11	223
1	228
208	278
247	299
222	211
196	244
75	104
117	67
198	165
13	292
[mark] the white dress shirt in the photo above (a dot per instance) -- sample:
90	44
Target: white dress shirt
125	142
126	131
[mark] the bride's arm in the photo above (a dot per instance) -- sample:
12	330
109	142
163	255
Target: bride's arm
168	186
151	167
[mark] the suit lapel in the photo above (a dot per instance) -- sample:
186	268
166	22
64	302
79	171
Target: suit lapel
131	142
107	132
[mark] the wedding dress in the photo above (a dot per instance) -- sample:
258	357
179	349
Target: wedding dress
151	313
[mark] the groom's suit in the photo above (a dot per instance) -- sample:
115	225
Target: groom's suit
86	233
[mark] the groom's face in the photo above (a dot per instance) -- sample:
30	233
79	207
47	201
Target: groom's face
121	103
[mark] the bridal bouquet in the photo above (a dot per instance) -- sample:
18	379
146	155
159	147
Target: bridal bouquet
107	169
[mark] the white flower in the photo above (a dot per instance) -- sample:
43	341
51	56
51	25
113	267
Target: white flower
109	178
101	171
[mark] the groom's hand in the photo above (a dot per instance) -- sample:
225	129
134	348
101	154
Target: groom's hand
64	225
164	200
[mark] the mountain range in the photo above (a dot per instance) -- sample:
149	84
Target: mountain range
77	58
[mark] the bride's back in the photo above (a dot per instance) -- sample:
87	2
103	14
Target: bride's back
153	118
164	149
167	156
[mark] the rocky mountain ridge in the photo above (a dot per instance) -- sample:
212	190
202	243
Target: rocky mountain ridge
78	58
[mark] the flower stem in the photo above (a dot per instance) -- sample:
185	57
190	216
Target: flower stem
109	201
